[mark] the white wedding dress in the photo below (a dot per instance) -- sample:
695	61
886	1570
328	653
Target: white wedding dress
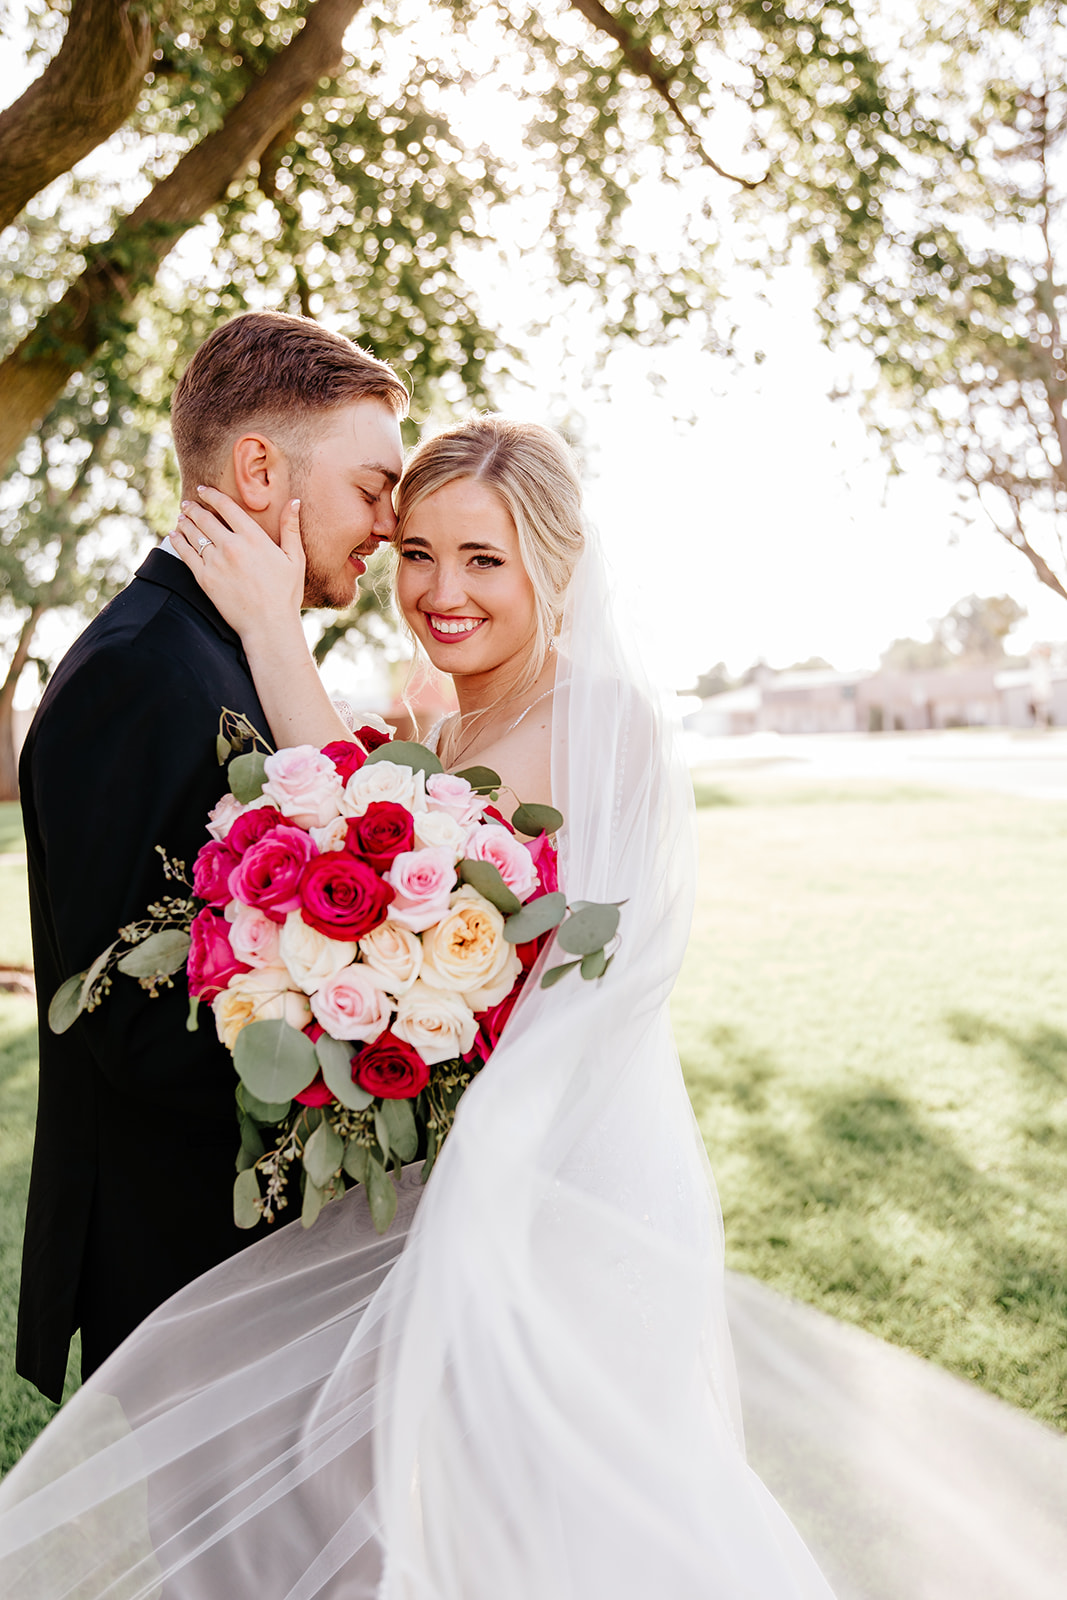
526	1390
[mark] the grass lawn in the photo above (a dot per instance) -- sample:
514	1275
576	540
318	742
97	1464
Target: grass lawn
873	1023
872	1019
14	909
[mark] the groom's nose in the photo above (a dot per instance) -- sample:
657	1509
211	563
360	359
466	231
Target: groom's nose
385	519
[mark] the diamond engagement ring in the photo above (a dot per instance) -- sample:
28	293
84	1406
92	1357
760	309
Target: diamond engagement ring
201	544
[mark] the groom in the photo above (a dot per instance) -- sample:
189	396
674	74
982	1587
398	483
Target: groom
133	1163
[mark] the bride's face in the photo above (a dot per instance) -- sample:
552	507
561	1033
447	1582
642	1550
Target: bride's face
462	586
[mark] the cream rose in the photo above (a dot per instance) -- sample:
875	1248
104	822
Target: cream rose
467	951
304	785
352	1005
384	780
334	836
309	956
439	830
394	955
262	995
436	1024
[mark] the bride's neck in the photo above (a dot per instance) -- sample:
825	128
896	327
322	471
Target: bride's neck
485	692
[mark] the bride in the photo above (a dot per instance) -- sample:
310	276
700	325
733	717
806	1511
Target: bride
525	1390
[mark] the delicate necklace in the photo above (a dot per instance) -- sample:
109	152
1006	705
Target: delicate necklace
455	755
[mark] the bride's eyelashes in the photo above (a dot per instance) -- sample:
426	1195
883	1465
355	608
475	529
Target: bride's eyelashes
480	562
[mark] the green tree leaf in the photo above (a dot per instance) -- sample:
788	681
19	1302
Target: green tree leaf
157	956
246	1209
589	929
335	1059
66	1004
483	780
381	1195
484	877
535	918
403	753
550	978
247	776
534	819
399	1119
323	1155
274	1060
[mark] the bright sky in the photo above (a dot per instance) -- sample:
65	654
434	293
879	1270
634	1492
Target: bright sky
765	526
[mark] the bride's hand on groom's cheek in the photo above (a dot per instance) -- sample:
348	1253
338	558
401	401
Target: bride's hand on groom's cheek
239	567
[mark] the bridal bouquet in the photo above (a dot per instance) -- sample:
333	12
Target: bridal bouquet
361	923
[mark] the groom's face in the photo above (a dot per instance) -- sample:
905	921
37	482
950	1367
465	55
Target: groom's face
345	484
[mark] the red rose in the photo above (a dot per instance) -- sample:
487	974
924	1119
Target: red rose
211	873
546	860
373	738
211	962
491	811
316	1093
268	875
346	756
251	826
341	896
390	1068
381	833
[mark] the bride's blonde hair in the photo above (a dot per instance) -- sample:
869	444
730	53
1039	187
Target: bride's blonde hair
535	475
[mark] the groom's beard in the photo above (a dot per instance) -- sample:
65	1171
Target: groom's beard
327	591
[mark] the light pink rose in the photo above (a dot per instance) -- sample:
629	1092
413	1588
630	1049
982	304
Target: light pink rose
221	816
304	785
446	792
254	937
423	881
351	1005
510	858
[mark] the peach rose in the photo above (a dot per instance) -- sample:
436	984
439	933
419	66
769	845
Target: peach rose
467	951
262	995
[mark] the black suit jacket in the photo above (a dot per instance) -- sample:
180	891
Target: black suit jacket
133	1163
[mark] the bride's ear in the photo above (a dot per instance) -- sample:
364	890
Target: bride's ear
260	472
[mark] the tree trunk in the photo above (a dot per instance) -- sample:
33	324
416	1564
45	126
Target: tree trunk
87	91
35	374
9	778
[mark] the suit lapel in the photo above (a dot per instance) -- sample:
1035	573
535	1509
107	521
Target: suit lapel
170	572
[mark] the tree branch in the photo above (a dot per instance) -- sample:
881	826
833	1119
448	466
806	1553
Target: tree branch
87	91
645	64
35	373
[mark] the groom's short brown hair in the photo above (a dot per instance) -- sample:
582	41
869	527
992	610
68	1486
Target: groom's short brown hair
266	371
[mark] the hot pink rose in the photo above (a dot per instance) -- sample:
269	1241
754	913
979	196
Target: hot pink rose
211	873
268	876
546	860
491	1025
381	833
391	1068
504	852
346	755
423	880
304	784
316	1093
254	937
252	825
211	962
342	897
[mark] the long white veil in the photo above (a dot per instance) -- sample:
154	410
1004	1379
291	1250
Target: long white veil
526	1389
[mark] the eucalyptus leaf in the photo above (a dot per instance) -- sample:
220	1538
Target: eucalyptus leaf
94	972
484	877
66	1003
274	1060
247	776
323	1155
533	820
535	918
157	956
403	1134
404	753
483	780
431	1156
335	1059
314	1200
246	1210
251	1142
357	1158
595	964
588	930
261	1110
554	974
381	1130
381	1195
223	748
